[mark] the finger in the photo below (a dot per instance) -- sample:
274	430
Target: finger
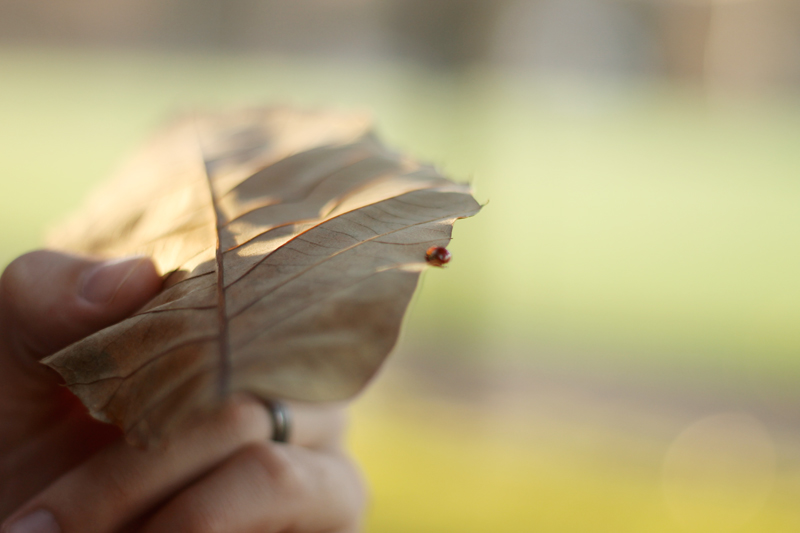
269	488
49	299
120	483
321	426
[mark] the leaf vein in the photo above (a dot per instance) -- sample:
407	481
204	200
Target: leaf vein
327	258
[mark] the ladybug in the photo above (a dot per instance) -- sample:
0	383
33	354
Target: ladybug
437	256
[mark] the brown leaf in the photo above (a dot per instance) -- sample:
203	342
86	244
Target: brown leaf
293	242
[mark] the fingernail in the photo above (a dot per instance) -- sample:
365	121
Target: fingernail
102	283
40	521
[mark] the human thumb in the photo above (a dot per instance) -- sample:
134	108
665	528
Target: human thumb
49	300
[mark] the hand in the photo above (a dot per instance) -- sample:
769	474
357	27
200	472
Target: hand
62	471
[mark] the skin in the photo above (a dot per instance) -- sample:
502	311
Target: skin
62	467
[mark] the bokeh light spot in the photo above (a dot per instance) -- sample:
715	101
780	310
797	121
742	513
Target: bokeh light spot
719	472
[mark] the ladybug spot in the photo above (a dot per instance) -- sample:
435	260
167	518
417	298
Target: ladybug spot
438	256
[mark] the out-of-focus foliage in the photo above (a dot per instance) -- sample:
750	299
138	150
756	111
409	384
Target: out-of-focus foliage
563	376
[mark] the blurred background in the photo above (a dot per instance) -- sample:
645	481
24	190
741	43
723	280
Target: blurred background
615	346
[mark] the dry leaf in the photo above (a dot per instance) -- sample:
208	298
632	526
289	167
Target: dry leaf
293	242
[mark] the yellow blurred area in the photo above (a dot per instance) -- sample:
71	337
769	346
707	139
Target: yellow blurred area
438	465
436	483
615	344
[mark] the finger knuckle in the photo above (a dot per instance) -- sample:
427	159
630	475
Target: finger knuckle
245	421
189	513
18	273
345	481
338	424
118	486
281	473
358	499
196	519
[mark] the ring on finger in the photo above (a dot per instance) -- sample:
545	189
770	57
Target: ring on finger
281	420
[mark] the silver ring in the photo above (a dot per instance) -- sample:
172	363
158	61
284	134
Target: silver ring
281	420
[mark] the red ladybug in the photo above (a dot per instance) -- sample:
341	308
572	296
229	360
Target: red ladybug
438	256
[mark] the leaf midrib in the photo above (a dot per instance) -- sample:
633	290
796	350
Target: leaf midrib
223	379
